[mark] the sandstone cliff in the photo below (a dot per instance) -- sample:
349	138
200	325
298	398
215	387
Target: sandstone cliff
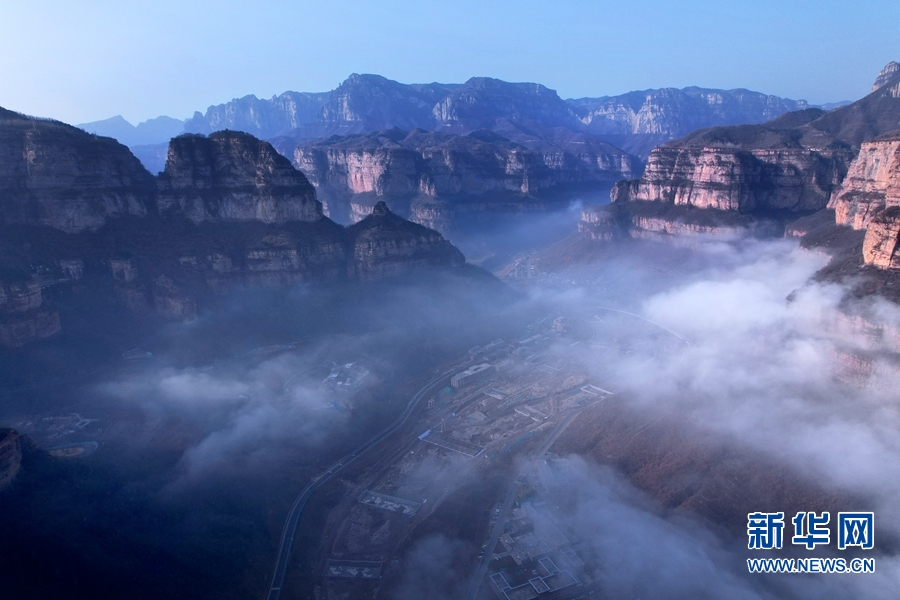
797	163
482	101
872	183
232	176
869	200
55	175
384	245
667	222
432	177
227	213
744	168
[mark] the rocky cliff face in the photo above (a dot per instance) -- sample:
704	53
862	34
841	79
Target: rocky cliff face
872	184
227	213
725	178
385	245
639	121
888	74
431	176
640	220
881	241
371	102
58	176
799	162
482	101
365	103
232	176
869	200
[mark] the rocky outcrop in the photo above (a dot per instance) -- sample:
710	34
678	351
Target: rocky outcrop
55	175
171	302
421	173
10	457
641	220
869	200
232	176
228	213
385	245
798	163
890	72
872	183
746	180
881	241
744	169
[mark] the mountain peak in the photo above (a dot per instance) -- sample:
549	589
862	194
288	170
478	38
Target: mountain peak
889	72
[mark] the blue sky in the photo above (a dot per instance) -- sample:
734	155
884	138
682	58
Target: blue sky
88	60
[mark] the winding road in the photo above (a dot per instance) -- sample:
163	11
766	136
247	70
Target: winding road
293	517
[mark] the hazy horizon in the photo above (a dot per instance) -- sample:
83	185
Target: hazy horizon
165	58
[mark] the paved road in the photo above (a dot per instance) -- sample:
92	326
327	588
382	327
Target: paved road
478	577
290	524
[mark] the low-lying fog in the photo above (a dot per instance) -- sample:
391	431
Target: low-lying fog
750	349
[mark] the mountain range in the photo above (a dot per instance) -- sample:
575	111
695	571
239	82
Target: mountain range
634	122
80	217
831	178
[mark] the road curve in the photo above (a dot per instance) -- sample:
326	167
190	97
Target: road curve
293	518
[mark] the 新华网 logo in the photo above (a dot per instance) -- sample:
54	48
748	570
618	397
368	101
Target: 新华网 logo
765	531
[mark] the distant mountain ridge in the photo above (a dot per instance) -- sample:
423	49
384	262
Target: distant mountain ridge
639	121
365	103
152	131
635	122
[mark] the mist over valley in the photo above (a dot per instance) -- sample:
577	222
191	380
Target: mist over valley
450	341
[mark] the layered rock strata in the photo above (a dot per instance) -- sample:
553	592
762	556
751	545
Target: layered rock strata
641	120
647	221
431	176
743	169
798	163
232	176
636	121
872	183
227	213
55	175
888	73
869	200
